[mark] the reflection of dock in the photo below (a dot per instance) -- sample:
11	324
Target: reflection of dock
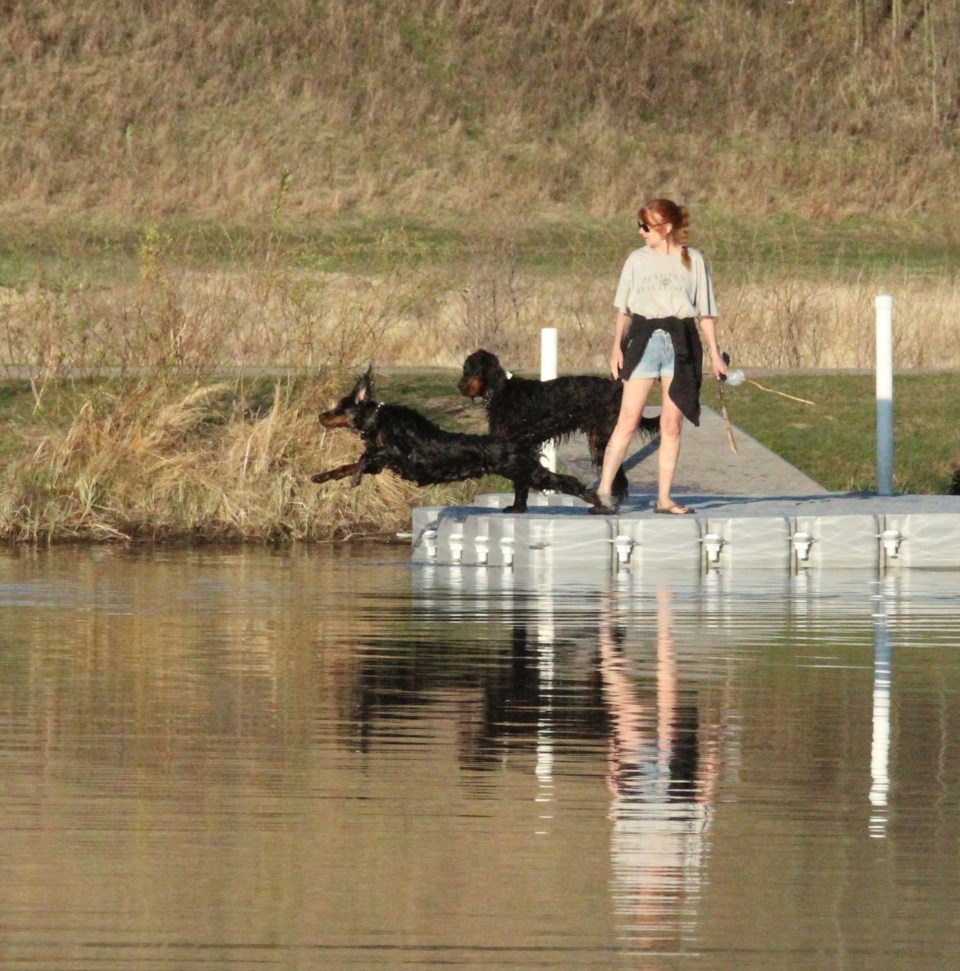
752	510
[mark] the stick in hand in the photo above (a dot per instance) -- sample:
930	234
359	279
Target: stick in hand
723	408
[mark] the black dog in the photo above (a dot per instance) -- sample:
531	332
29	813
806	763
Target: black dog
402	440
545	410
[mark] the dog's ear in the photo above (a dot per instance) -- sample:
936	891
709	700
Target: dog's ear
363	389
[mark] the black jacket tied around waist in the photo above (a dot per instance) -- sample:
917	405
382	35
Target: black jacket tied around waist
688	368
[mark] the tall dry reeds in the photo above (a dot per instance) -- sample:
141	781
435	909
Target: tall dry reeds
283	319
184	405
170	460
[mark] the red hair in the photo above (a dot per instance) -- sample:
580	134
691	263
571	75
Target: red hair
667	211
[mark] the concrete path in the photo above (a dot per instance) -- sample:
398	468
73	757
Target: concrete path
707	465
752	482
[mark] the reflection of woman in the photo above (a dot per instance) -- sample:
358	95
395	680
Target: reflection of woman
662	788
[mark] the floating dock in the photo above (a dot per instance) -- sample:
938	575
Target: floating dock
770	516
811	532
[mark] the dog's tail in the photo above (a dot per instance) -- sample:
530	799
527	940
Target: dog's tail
649	427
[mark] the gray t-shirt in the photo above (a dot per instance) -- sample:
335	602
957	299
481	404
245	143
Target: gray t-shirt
657	285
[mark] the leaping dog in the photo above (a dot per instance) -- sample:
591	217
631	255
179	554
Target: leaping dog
545	410
402	440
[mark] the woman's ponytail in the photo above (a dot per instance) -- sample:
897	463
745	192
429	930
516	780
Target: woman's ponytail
681	233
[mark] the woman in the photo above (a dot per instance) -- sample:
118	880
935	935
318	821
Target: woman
664	290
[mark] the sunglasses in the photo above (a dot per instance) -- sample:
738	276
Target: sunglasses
646	227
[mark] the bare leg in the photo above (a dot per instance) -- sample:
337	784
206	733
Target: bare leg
598	445
671	424
635	394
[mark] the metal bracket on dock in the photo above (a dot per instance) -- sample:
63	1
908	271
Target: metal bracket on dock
712	544
801	542
891	540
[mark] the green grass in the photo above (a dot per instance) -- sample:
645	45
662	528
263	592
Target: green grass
838	249
834	440
103	253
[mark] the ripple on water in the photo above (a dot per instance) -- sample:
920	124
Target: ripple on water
312	758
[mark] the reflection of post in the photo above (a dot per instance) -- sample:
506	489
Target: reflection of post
545	675
663	779
880	744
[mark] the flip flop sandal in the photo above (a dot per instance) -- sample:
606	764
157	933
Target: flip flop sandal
674	510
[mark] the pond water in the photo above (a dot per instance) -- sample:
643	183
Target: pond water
332	758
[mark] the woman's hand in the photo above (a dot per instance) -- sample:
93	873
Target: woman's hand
620	324
616	361
719	366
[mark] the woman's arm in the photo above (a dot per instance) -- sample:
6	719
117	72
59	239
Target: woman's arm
709	327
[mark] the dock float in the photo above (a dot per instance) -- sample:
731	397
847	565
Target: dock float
752	509
851	531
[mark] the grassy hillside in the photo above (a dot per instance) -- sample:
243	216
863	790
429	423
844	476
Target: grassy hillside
153	108
318	182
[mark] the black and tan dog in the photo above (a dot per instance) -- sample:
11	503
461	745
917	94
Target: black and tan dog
402	440
546	410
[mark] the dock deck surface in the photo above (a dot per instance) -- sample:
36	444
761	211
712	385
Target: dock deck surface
751	508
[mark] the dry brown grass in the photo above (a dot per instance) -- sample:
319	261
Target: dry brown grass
133	435
198	324
131	109
159	447
160	459
831	324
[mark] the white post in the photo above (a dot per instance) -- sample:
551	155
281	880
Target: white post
548	371
884	304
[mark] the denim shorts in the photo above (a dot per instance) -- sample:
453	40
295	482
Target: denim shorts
658	358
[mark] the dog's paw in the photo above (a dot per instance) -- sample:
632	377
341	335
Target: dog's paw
515	509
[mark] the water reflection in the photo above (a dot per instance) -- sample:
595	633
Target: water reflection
336	759
880	739
664	769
